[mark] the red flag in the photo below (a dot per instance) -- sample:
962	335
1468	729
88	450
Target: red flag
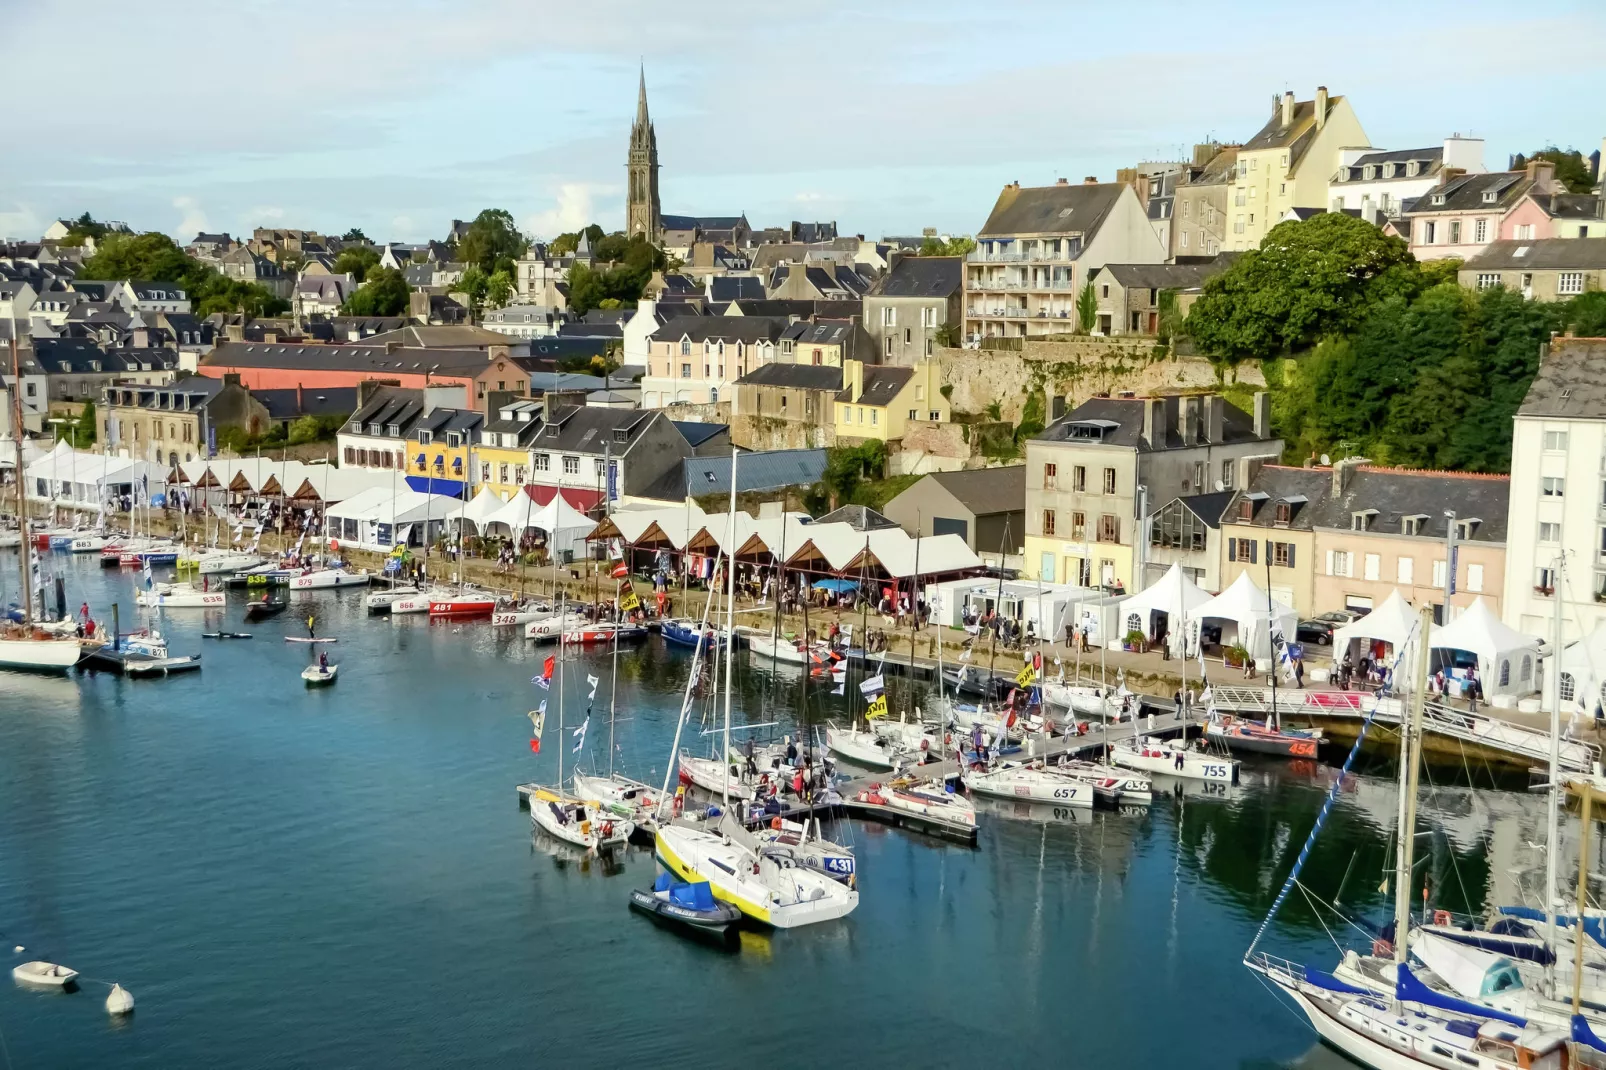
546	669
535	746
621	570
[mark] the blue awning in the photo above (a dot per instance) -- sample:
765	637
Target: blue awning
420	460
431	485
440	460
457	464
838	586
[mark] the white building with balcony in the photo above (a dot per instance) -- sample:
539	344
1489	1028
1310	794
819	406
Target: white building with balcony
1556	536
1378	184
1039	247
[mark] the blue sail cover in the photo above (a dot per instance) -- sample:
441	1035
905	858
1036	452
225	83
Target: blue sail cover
1331	983
664	882
1582	1034
696	896
1594	926
1410	990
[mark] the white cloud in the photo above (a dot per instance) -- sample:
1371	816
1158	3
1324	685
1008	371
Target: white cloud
194	218
575	208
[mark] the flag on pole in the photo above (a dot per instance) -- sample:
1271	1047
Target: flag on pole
872	686
841	687
593	681
544	681
621	570
965	656
580	735
145	572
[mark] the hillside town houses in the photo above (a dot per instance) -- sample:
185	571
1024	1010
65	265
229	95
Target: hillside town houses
783	340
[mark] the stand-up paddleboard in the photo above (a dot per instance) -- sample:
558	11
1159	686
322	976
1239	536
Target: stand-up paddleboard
225	635
304	639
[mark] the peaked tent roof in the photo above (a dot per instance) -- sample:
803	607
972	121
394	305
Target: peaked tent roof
1253	610
1173	594
1479	631
1392	623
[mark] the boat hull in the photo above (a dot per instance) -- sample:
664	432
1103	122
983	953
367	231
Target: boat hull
1257	740
181	599
462	607
1030	786
39	655
325	579
605	634
692	855
716	922
1149	758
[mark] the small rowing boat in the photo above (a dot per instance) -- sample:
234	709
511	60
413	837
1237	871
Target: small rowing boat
44	973
318	675
305	639
225	635
265	608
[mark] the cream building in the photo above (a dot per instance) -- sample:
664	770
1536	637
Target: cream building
1289	164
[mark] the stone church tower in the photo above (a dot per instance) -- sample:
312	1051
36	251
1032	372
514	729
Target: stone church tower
642	214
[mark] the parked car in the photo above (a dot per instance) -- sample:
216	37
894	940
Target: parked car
1320	628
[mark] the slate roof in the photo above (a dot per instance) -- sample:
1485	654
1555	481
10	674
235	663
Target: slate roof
821	332
1164	276
734	287
1296	136
1207	507
881	385
430	336
705	222
350	356
1541	254
323	401
766	470
199	389
985	491
1568	205
923	276
794	376
589	428
859	517
1304	489
418	274
1465	193
73	356
696	434
591	330
1571	383
1429	159
1051	209
1397	493
802	307
728	329
1124	417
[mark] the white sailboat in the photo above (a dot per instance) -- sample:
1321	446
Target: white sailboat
1032	785
1173	757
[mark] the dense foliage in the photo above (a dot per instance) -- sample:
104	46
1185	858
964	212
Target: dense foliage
492	242
153	257
358	260
951	247
383	294
632	260
1572	167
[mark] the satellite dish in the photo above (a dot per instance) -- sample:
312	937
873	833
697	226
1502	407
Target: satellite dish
1220	485
1325	460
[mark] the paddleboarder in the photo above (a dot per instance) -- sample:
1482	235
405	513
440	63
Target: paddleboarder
311	633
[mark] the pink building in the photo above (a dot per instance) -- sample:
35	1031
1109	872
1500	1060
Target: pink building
1555	215
1464	213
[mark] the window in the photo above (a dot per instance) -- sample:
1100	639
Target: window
571	466
685	347
1405	570
1567	686
1048	521
1079	526
1523	231
1475	579
1282	554
861	414
543	462
1455	232
1282	187
888	346
351	455
1430	231
501	474
1241	550
1552	486
1226	475
1544	580
1050	473
1570	282
908	336
1340	563
1480	231
1199	475
1556	441
928	316
685	371
1488	280
1109	528
1079	479
1549	532
1184	236
914	414
1246	509
1372	566
874	416
1109	481
1106	290
1439	573
889	316
1285	513
1238	224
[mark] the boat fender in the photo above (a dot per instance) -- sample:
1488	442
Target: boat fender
775	823
607	830
1441	917
925	744
119	1001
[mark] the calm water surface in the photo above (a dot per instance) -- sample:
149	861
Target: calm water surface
343	877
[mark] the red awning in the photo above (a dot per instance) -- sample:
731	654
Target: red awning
583	500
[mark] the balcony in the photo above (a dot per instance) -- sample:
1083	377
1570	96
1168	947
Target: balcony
994	285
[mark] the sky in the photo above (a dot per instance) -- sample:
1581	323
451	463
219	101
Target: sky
397	116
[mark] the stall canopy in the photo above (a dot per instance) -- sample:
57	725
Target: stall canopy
1507	659
1173	594
1251	613
485	505
1583	672
380	518
1391	623
565	526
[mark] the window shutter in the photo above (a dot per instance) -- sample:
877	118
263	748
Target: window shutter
1253	545
1330	571
1290	555
1232	549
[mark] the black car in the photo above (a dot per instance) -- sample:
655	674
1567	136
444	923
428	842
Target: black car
1320	628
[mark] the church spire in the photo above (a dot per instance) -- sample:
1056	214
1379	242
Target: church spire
641	204
641	98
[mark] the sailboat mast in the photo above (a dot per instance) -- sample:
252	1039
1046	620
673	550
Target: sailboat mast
914	611
1273	722
1552	797
1410	776
562	607
998	605
613	688
730	625
25	548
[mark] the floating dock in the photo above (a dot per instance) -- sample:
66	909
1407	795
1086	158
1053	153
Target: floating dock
134	663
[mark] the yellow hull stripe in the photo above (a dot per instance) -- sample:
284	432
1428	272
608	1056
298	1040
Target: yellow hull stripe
686	873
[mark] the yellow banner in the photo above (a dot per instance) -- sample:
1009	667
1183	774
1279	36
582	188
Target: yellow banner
1025	677
878	707
628	602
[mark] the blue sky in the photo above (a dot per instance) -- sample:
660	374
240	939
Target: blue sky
399	115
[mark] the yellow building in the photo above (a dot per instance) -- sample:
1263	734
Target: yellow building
879	402
1289	164
826	342
502	455
406	428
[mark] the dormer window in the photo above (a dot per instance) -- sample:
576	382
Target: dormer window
1467	529
1414	524
1488	196
1438	198
453	439
1388	170
1362	519
425	438
621	435
1369	172
1285	513
393	430
1412	168
1246	510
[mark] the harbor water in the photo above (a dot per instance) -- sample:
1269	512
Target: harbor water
342	876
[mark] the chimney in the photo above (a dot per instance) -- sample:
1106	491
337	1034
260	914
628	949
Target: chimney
392	346
1188	420
1062	182
231	378
1141	184
1154	422
270	336
1288	109
1204	153
1215	412
1344	473
1091	180
1541	173
1249	470
1321	106
1262	414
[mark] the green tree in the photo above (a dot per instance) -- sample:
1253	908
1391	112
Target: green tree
1308	279
1087	308
1585	315
358	260
1572	167
385	293
306	429
490	238
498	289
83	228
84	432
355	234
148	257
474	283
951	247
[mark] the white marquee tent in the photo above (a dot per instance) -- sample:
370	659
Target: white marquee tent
1247	615
565	526
1172	595
378	518
1392	623
1507	660
1583	673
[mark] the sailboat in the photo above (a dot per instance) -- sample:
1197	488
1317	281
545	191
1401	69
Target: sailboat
618	792
569	818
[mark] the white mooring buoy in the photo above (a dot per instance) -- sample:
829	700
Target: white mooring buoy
19	949
119	1001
